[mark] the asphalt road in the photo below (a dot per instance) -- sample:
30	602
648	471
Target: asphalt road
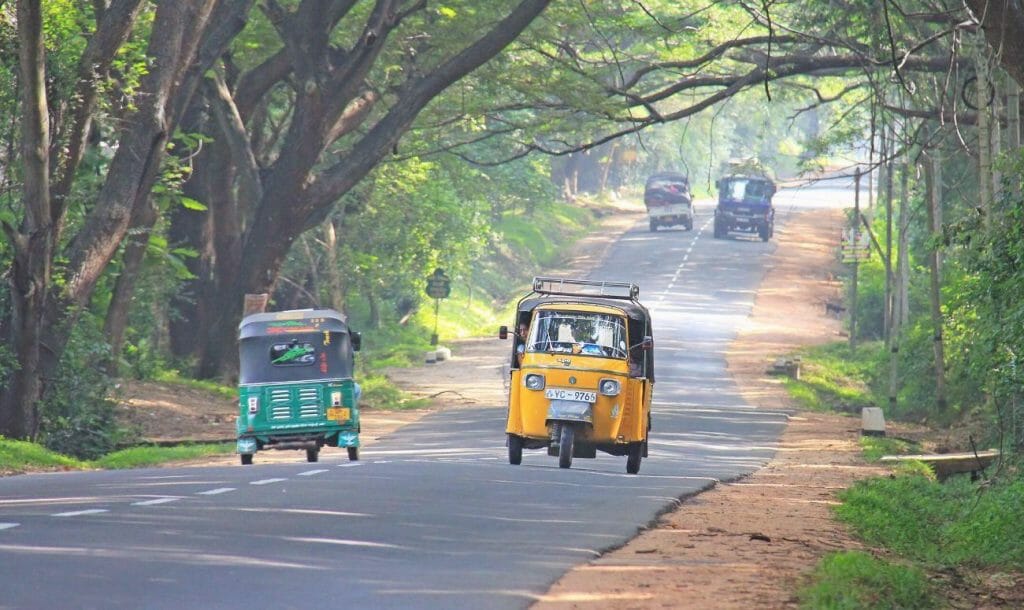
433	517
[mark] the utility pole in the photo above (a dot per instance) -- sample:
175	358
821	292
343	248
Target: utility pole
934	185
856	240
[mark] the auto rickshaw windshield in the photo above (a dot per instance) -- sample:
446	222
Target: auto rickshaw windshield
587	333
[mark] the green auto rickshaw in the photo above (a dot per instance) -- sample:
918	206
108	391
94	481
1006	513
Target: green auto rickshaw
295	385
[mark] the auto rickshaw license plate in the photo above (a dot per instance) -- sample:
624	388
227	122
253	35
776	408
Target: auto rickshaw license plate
568	394
339	413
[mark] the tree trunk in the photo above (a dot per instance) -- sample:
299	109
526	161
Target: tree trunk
984	135
124	288
32	242
335	277
934	203
886	182
1013	126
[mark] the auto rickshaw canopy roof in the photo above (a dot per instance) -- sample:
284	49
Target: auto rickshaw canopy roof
575	293
294	345
292	321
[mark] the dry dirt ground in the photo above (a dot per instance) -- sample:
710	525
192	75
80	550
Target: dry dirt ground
743	544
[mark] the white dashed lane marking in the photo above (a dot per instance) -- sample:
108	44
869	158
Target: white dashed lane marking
266	481
76	513
155	501
215	492
310	473
7	526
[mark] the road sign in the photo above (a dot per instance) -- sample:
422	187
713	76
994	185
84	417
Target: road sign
439	286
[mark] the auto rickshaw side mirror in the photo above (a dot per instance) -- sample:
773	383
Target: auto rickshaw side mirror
357	341
647	343
503	332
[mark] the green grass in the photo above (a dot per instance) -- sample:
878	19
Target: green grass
18	456
379	393
955	523
138	457
834	378
858	581
874	447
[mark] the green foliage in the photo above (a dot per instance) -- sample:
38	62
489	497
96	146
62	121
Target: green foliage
138	457
854	580
77	416
874	447
832	377
379	393
18	456
943	524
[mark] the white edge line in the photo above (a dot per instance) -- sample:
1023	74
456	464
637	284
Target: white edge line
7	526
155	501
75	513
310	473
266	481
214	492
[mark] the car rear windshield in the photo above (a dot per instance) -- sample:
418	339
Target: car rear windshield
743	189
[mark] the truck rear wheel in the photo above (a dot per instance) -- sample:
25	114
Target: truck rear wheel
312	455
246	459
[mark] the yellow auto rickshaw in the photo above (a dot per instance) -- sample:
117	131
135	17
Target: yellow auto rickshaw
582	372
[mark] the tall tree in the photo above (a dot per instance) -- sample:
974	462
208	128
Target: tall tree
185	38
347	110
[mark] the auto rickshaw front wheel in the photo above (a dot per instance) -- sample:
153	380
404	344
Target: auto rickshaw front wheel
633	457
515	450
353	454
566	442
246	459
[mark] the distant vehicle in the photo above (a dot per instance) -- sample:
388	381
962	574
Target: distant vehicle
295	385
745	203
668	200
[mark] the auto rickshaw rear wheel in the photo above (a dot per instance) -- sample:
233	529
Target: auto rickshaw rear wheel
633	457
246	459
353	454
566	440
313	455
515	450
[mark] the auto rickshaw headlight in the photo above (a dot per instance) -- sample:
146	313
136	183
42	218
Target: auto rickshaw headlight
609	387
254	404
534	381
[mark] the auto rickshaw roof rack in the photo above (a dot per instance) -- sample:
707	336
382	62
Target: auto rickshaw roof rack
593	288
